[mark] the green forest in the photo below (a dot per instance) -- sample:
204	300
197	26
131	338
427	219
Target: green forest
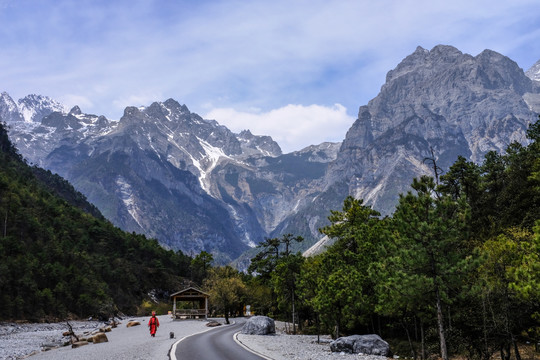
60	258
455	271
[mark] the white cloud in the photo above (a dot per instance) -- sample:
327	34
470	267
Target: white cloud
293	126
242	54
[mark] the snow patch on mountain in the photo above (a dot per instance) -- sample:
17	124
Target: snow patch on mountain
211	158
10	104
34	107
128	198
534	72
239	220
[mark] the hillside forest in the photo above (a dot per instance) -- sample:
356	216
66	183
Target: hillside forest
455	270
60	258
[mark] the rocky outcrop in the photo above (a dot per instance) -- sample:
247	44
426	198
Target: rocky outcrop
534	72
439	100
361	344
259	325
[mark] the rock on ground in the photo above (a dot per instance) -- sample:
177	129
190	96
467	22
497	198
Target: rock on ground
371	344
259	325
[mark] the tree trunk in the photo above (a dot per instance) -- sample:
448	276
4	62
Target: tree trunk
337	329
6	217
440	323
422	340
413	351
484	326
318	329
293	322
505	351
516	350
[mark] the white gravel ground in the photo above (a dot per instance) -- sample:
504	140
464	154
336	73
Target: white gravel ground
296	347
124	343
18	341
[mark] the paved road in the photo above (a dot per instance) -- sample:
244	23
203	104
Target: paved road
216	344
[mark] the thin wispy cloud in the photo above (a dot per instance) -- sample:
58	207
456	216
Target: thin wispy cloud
229	57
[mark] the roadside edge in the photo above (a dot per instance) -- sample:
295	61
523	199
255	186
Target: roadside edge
235	337
172	350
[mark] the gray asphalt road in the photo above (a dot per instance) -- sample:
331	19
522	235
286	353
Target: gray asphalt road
217	344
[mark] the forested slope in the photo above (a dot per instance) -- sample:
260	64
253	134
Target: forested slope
58	260
454	272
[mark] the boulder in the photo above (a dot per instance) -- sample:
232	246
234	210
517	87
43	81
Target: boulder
99	338
361	344
259	325
213	323
132	323
79	344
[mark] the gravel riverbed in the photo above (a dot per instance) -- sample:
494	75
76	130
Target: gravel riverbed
44	342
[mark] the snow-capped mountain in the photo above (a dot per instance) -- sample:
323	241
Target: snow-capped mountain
30	109
152	171
9	109
534	72
33	108
194	185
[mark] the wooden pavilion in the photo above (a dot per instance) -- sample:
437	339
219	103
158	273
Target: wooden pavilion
198	300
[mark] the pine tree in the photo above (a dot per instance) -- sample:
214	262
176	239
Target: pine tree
426	261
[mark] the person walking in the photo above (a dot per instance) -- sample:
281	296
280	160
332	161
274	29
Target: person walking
153	324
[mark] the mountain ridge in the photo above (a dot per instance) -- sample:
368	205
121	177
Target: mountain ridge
237	189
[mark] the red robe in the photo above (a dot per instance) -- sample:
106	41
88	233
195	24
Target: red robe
153	324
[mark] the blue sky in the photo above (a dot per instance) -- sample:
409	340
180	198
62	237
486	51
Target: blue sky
295	70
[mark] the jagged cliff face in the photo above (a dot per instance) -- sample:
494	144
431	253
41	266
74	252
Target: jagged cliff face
444	100
194	185
440	100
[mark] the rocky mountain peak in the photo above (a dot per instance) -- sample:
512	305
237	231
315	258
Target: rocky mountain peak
130	111
159	110
497	71
325	152
258	145
534	72
34	107
441	99
175	106
8	109
75	110
425	60
246	134
488	69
